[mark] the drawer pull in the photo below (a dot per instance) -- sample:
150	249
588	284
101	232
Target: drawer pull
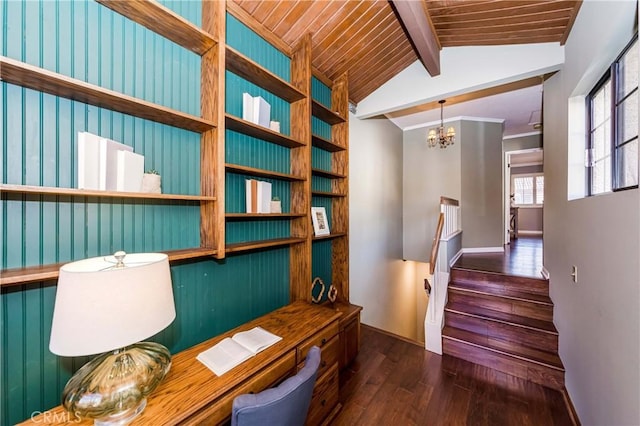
323	402
323	364
323	342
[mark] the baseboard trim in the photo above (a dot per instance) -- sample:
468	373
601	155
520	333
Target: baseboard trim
575	420
483	250
455	258
390	334
527	233
545	273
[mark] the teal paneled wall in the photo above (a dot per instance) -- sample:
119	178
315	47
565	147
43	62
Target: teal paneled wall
87	41
321	262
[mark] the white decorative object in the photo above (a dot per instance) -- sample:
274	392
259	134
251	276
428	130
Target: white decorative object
276	206
264	197
320	222
109	163
275	126
261	112
130	169
88	161
247	107
151	183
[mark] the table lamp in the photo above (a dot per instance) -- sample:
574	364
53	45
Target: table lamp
107	305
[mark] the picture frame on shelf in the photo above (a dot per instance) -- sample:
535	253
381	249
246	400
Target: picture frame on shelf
320	222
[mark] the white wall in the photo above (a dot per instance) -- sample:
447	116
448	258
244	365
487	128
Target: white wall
379	280
599	316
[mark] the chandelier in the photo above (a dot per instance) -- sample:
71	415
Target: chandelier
439	137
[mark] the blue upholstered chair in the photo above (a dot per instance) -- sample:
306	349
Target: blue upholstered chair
284	405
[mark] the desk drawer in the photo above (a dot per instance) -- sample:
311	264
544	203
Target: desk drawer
325	396
221	410
320	339
330	354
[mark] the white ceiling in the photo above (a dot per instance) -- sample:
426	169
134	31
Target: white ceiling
519	109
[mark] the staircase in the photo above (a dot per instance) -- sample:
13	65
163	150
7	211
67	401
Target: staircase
503	322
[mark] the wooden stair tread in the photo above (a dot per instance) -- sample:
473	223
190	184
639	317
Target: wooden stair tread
512	319
547	359
521	295
499	276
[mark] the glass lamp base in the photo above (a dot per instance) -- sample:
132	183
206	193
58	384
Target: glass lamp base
112	388
122	418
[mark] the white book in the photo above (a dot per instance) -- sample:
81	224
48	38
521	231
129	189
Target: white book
232	351
247	107
264	197
88	161
129	171
261	112
109	163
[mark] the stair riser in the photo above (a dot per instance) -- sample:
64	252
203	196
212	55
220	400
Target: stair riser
536	373
500	304
497	281
506	332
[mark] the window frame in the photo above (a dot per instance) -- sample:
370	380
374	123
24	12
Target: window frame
611	74
535	189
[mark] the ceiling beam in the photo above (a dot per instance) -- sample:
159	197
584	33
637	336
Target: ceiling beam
416	21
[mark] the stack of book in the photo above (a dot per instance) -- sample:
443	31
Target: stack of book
258	196
256	110
107	165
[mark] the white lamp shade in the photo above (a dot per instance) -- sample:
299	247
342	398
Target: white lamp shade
100	307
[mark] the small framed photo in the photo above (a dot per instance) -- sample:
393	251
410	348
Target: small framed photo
320	222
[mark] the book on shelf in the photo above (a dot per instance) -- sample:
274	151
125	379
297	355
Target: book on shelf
233	351
109	165
88	161
256	110
130	168
257	196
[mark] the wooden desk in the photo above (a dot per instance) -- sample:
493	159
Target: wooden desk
193	394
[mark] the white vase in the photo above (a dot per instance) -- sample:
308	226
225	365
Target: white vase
151	183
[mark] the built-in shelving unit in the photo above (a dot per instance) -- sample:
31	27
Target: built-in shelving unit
327	145
262	244
239	64
330	237
251	171
326	194
247	128
253	216
72	192
325	114
31	77
165	22
17	276
170	25
327	174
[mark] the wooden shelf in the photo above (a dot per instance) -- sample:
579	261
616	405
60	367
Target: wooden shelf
247	128
16	72
254	216
325	144
327	174
255	245
330	237
239	64
251	171
325	114
45	190
17	276
163	21
326	194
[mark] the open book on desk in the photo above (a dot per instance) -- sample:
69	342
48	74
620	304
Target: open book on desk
234	350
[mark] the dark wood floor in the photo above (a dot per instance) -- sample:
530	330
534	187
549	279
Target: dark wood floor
522	257
394	382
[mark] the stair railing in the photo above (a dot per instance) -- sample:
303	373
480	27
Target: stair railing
436	284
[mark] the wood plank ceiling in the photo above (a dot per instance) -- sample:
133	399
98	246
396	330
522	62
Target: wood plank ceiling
366	39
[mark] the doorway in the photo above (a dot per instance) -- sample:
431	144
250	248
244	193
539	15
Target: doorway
523	194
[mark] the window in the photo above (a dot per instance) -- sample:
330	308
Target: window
528	190
612	143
